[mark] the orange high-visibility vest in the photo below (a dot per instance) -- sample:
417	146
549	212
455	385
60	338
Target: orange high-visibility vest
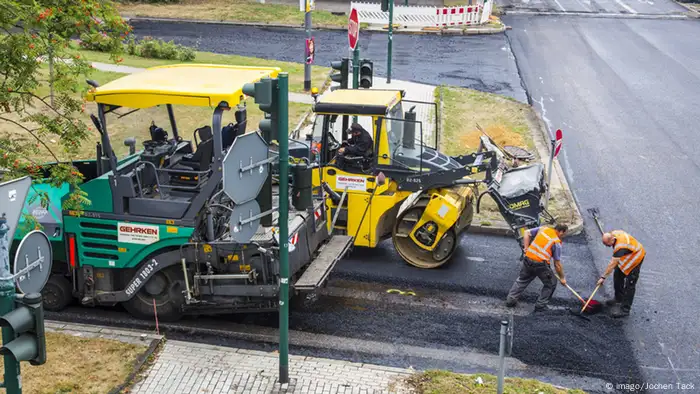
629	261
540	248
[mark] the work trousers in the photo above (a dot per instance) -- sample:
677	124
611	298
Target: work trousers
625	286
528	272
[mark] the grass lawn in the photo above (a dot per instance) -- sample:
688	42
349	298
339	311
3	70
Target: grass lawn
507	122
136	124
80	365
504	120
319	75
445	382
233	11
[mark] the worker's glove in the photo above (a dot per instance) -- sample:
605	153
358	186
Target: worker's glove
600	281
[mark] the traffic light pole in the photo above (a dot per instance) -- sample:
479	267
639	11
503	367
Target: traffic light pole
355	72
283	140
391	39
307	66
7	305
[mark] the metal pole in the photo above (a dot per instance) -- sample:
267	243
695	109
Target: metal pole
355	72
7	305
502	355
549	173
307	66
50	70
283	140
391	39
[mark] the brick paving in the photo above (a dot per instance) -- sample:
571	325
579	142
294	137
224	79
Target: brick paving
193	368
184	367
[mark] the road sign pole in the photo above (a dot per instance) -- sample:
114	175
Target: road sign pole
549	173
307	65
7	305
391	39
283	126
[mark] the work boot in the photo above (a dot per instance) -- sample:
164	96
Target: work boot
511	302
617	311
611	302
541	308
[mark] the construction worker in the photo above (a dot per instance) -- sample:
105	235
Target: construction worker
540	245
359	144
628	255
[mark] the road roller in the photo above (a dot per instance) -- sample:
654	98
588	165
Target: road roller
403	187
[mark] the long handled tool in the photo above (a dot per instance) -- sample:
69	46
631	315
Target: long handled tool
595	213
592	307
590	298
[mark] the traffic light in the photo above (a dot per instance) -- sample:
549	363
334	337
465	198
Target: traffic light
265	94
27	323
385	5
366	69
344	67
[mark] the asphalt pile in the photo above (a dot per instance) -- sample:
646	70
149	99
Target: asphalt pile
552	339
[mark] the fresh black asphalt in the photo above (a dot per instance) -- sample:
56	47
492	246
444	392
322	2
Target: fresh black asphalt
483	63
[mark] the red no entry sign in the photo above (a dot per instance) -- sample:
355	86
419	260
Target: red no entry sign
353	29
558	142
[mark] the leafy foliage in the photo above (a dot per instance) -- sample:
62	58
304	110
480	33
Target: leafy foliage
148	47
35	54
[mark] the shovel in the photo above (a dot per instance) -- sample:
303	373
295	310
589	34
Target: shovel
591	307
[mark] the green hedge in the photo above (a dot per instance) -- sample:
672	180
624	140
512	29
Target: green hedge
148	47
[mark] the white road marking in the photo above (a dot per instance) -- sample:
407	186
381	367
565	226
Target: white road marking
560	6
625	6
475	258
663	351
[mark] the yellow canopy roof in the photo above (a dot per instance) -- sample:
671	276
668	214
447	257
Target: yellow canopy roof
361	96
202	85
358	101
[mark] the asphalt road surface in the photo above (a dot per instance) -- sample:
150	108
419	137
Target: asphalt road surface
626	94
630	7
484	63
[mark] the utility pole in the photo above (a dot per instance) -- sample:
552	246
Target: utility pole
307	65
283	140
391	39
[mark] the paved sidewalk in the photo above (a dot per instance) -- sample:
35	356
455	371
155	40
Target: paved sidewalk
184	367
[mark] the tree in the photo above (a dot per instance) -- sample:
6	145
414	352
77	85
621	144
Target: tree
42	76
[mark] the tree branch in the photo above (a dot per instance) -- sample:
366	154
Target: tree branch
32	134
47	104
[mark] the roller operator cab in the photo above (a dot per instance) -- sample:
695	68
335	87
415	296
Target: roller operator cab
404	188
163	232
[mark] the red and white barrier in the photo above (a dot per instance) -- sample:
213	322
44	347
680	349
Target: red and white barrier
426	16
456	16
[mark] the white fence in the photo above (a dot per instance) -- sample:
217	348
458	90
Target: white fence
426	16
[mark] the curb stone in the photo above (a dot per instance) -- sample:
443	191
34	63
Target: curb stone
692	12
576	226
475	31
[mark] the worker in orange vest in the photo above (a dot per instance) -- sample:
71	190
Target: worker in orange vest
628	255
540	245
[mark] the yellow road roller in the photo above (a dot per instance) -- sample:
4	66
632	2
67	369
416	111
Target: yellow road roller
403	187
